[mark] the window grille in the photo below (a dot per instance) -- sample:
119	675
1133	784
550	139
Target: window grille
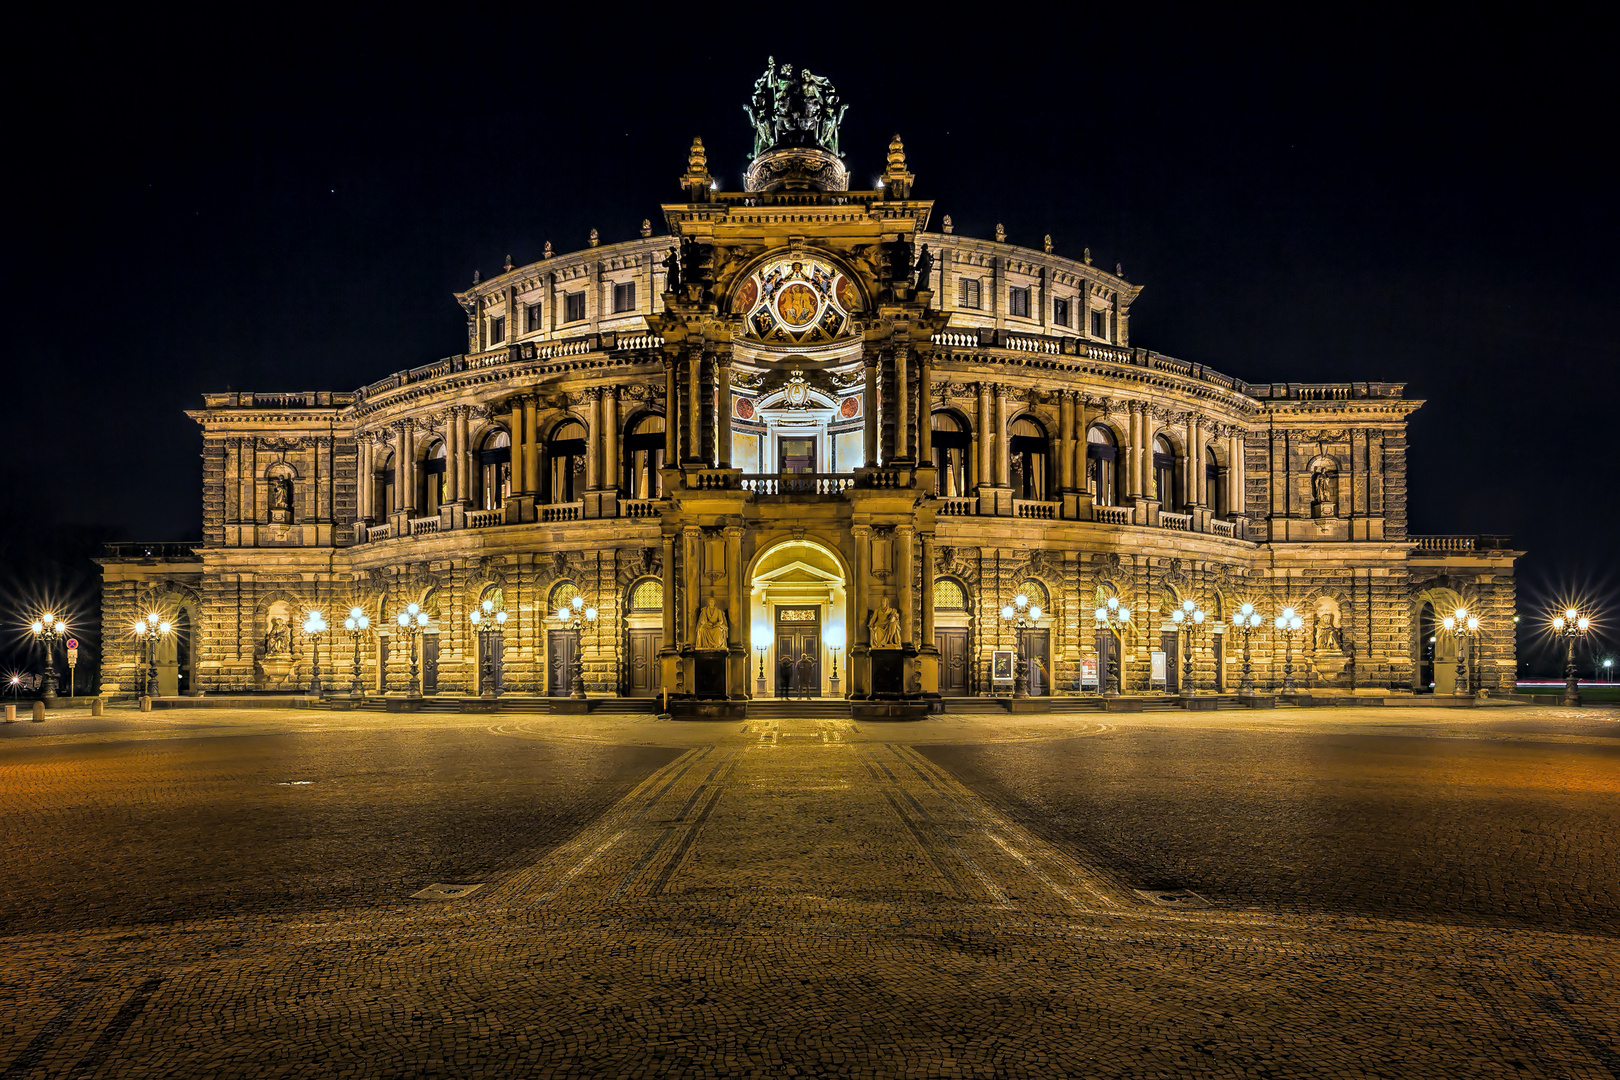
648	596
948	596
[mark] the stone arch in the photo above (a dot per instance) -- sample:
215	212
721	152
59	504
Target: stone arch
838	262
1441	598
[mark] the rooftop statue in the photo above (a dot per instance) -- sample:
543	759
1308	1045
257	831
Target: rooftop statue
794	111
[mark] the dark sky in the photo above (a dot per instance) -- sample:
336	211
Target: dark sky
286	203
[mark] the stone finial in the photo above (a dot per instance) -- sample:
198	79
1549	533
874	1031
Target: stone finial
509	264
697	159
595	239
547	253
1087	256
1048	243
949	228
1001	233
897	155
646	227
1119	269
696	181
475	277
896	180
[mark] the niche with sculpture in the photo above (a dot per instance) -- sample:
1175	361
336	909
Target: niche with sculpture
279	496
1324	488
277	670
1330	655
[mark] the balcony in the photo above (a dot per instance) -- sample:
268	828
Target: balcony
797	483
1461	544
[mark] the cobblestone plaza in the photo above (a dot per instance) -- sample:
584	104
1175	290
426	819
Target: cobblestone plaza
1346	892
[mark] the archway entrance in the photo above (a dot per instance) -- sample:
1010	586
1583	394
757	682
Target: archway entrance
797	601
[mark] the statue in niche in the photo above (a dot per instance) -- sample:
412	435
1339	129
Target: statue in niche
925	267
885	626
278	642
281	496
1327	635
711	629
1324	492
672	271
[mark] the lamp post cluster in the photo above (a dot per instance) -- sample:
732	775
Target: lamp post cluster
1116	617
491	626
1464	627
412	621
1570	626
48	630
573	615
1288	623
314	627
1021	614
1189	619
358	624
149	631
1246	620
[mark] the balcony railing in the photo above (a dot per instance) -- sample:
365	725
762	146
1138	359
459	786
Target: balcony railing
1462	544
958	506
797	483
423	525
483	519
139	550
1111	515
1039	511
1180	522
1222	528
639	508
563	512
379	532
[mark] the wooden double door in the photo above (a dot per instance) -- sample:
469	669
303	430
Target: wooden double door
798	636
561	648
642	677
955	661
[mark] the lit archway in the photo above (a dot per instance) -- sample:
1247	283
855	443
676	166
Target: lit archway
799	614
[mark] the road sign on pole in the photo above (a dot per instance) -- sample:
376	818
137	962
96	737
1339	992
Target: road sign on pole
73	662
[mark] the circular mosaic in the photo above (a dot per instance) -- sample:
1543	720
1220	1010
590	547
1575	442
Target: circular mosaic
797	300
798	305
849	407
745	408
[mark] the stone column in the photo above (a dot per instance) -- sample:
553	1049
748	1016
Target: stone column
610	438
1195	463
869	407
672	409
515	424
905	538
902	412
593	445
1236	488
402	475
669	590
1066	441
987	473
463	439
927	539
1003	460
736	645
722	363
1133	456
362	478
531	447
452	454
925	409
694	406
859	671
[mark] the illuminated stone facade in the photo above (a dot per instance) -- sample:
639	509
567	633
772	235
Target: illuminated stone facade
868	413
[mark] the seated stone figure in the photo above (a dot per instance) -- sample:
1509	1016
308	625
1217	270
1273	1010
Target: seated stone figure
711	630
885	627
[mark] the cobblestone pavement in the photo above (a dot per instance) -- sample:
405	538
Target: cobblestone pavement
1372	894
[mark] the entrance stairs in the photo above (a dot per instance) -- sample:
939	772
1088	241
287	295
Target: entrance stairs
803	709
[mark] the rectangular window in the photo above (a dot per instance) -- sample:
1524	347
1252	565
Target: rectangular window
624	296
1099	323
497	330
1018	302
1060	312
532	316
573	306
967	293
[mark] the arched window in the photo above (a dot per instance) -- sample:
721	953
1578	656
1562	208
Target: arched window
562	595
648	595
949	595
1164	473
952	447
1027	447
435	490
565	463
1102	467
1037	594
494	470
382	488
1216	497
643	457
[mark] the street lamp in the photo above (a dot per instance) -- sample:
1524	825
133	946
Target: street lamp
574	615
1020	615
760	689
1571	625
491	625
413	620
356	624
1246	619
47	629
1116	617
1462	626
148	631
1190	617
1288	624
314	627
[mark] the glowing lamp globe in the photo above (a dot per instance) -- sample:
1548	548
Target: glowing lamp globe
163	628
1125	614
500	618
488	605
1101	614
1473	622
1021	601
1582	623
1113	603
1449	622
1571	614
38	627
404	619
590	614
475	615
1198	616
1178	616
578	602
349	624
1558	623
562	613
1035	612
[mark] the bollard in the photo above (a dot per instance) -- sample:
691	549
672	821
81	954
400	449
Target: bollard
97	707
39	712
11	714
146	704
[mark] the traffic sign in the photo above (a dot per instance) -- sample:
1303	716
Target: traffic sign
72	643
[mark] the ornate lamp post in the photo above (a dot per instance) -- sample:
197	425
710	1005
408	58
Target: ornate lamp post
573	616
148	631
491	626
356	624
1020	615
760	689
47	630
314	627
1116	617
1288	624
1247	620
1190	618
1571	625
413	620
1463	627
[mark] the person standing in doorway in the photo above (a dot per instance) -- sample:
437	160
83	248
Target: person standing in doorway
806	673
784	676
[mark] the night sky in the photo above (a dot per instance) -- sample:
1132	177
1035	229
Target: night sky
287	204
